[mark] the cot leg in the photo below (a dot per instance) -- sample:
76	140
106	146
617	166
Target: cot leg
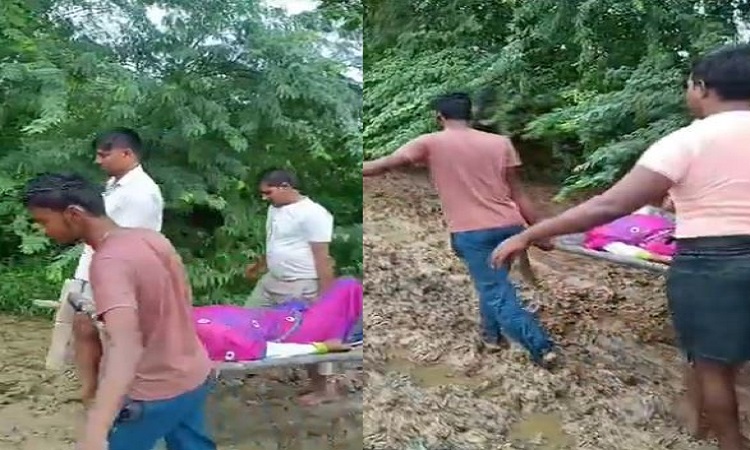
62	332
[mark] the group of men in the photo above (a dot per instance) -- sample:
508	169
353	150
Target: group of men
703	168
146	377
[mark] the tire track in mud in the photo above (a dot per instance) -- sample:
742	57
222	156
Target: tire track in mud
429	385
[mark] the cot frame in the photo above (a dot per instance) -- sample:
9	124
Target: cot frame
61	335
573	244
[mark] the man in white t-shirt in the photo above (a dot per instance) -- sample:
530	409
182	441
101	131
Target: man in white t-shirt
132	199
298	263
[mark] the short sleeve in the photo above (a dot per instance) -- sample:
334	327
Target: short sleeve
670	156
113	284
318	225
514	159
415	151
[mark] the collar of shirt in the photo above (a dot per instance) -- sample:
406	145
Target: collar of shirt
126	179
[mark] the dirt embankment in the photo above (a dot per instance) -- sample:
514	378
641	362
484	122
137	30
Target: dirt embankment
428	384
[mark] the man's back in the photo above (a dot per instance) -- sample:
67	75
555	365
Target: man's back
468	168
140	268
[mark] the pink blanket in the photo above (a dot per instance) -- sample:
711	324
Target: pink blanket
652	233
234	333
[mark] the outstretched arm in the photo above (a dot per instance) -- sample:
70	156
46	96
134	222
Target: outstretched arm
414	151
662	166
638	188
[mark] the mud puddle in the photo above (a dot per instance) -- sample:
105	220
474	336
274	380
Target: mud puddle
543	431
429	376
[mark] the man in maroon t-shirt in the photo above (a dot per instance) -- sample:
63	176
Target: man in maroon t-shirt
154	381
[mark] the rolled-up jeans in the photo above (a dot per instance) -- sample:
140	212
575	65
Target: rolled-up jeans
501	310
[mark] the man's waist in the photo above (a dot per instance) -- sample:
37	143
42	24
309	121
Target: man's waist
472	219
292	277
477	225
158	382
291	269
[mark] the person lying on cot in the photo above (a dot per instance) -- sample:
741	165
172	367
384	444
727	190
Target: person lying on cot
235	333
155	377
705	168
646	234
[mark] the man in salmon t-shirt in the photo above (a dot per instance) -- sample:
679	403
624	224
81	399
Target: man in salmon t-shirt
154	381
477	177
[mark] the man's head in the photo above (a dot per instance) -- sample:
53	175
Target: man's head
64	205
454	107
118	151
720	79
280	187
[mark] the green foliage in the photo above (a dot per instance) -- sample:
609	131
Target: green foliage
346	249
220	91
348	12
596	81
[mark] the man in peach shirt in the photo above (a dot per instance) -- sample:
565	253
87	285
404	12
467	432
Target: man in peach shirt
154	380
477	177
705	169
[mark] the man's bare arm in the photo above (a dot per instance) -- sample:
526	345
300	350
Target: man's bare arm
124	345
518	194
87	348
323	265
411	153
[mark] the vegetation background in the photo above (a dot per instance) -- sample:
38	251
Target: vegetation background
583	86
220	90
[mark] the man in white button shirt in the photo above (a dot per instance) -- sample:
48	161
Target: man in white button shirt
132	199
298	262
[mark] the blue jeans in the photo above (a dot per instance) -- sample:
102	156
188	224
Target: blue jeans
179	421
501	310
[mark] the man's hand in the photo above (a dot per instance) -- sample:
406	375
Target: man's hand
544	245
253	271
505	253
92	442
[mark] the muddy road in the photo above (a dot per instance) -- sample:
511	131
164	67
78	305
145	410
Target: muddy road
40	410
429	385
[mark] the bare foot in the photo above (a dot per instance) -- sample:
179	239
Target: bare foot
328	395
692	420
336	345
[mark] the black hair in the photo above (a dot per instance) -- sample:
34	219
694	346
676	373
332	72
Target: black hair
59	191
121	138
455	106
726	71
280	177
